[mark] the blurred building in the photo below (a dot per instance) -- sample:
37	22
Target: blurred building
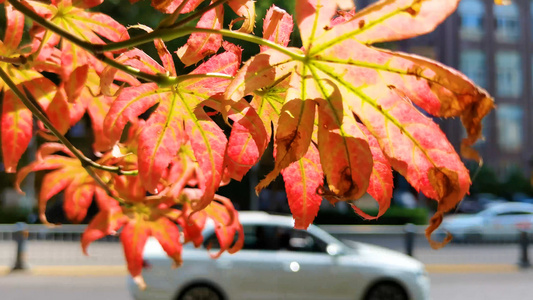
492	45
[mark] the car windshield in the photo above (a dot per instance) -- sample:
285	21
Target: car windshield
275	238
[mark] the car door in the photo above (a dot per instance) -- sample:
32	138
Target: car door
308	271
507	223
251	273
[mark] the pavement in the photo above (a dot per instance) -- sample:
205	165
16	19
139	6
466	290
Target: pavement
107	258
108	282
59	271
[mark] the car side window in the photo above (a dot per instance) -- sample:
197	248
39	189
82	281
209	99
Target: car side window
300	241
250	239
274	238
513	213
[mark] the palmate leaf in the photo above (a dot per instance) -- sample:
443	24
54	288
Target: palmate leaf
201	45
277	27
66	174
178	118
140	219
16	119
364	98
73	17
302	180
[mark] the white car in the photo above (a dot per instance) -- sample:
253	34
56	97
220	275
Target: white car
499	222
279	262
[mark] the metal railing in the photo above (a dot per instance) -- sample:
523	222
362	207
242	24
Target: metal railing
22	245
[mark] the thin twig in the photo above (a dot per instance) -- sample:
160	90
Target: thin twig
170	20
87	46
197	14
13	60
86	163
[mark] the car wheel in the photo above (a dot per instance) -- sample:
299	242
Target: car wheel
200	292
386	291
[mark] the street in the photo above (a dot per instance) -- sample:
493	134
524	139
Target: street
26	287
59	272
445	286
485	286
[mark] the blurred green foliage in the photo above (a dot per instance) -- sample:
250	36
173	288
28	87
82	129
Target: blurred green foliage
10	215
394	216
486	180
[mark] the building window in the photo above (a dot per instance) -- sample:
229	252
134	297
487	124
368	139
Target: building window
473	63
425	51
471	13
507	22
508	74
531	13
509	122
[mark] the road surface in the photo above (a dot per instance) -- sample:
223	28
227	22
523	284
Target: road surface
445	286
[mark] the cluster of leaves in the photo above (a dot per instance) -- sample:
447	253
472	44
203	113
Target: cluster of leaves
342	113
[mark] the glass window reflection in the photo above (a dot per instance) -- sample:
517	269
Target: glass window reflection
473	63
508	74
507	22
471	13
509	123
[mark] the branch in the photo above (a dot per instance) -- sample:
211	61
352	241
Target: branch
177	30
86	162
182	78
13	60
197	14
167	34
170	20
160	79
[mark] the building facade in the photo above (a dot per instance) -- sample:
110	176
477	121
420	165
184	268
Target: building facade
492	45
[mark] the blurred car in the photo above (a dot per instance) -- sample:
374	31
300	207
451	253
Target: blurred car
498	222
469	206
279	262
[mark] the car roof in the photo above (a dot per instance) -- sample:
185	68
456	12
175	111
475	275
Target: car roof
261	217
501	207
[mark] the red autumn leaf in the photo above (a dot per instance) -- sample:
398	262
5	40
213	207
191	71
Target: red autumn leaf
182	172
78	198
106	222
88	26
302	180
14	29
294	131
133	237
97	107
168	6
200	45
380	185
177	118
130	103
224	216
405	19
67	174
192	224
248	139
245	9
76	82
160	141
16	119
168	235
56	114
348	164
17	130
344	76
277	27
